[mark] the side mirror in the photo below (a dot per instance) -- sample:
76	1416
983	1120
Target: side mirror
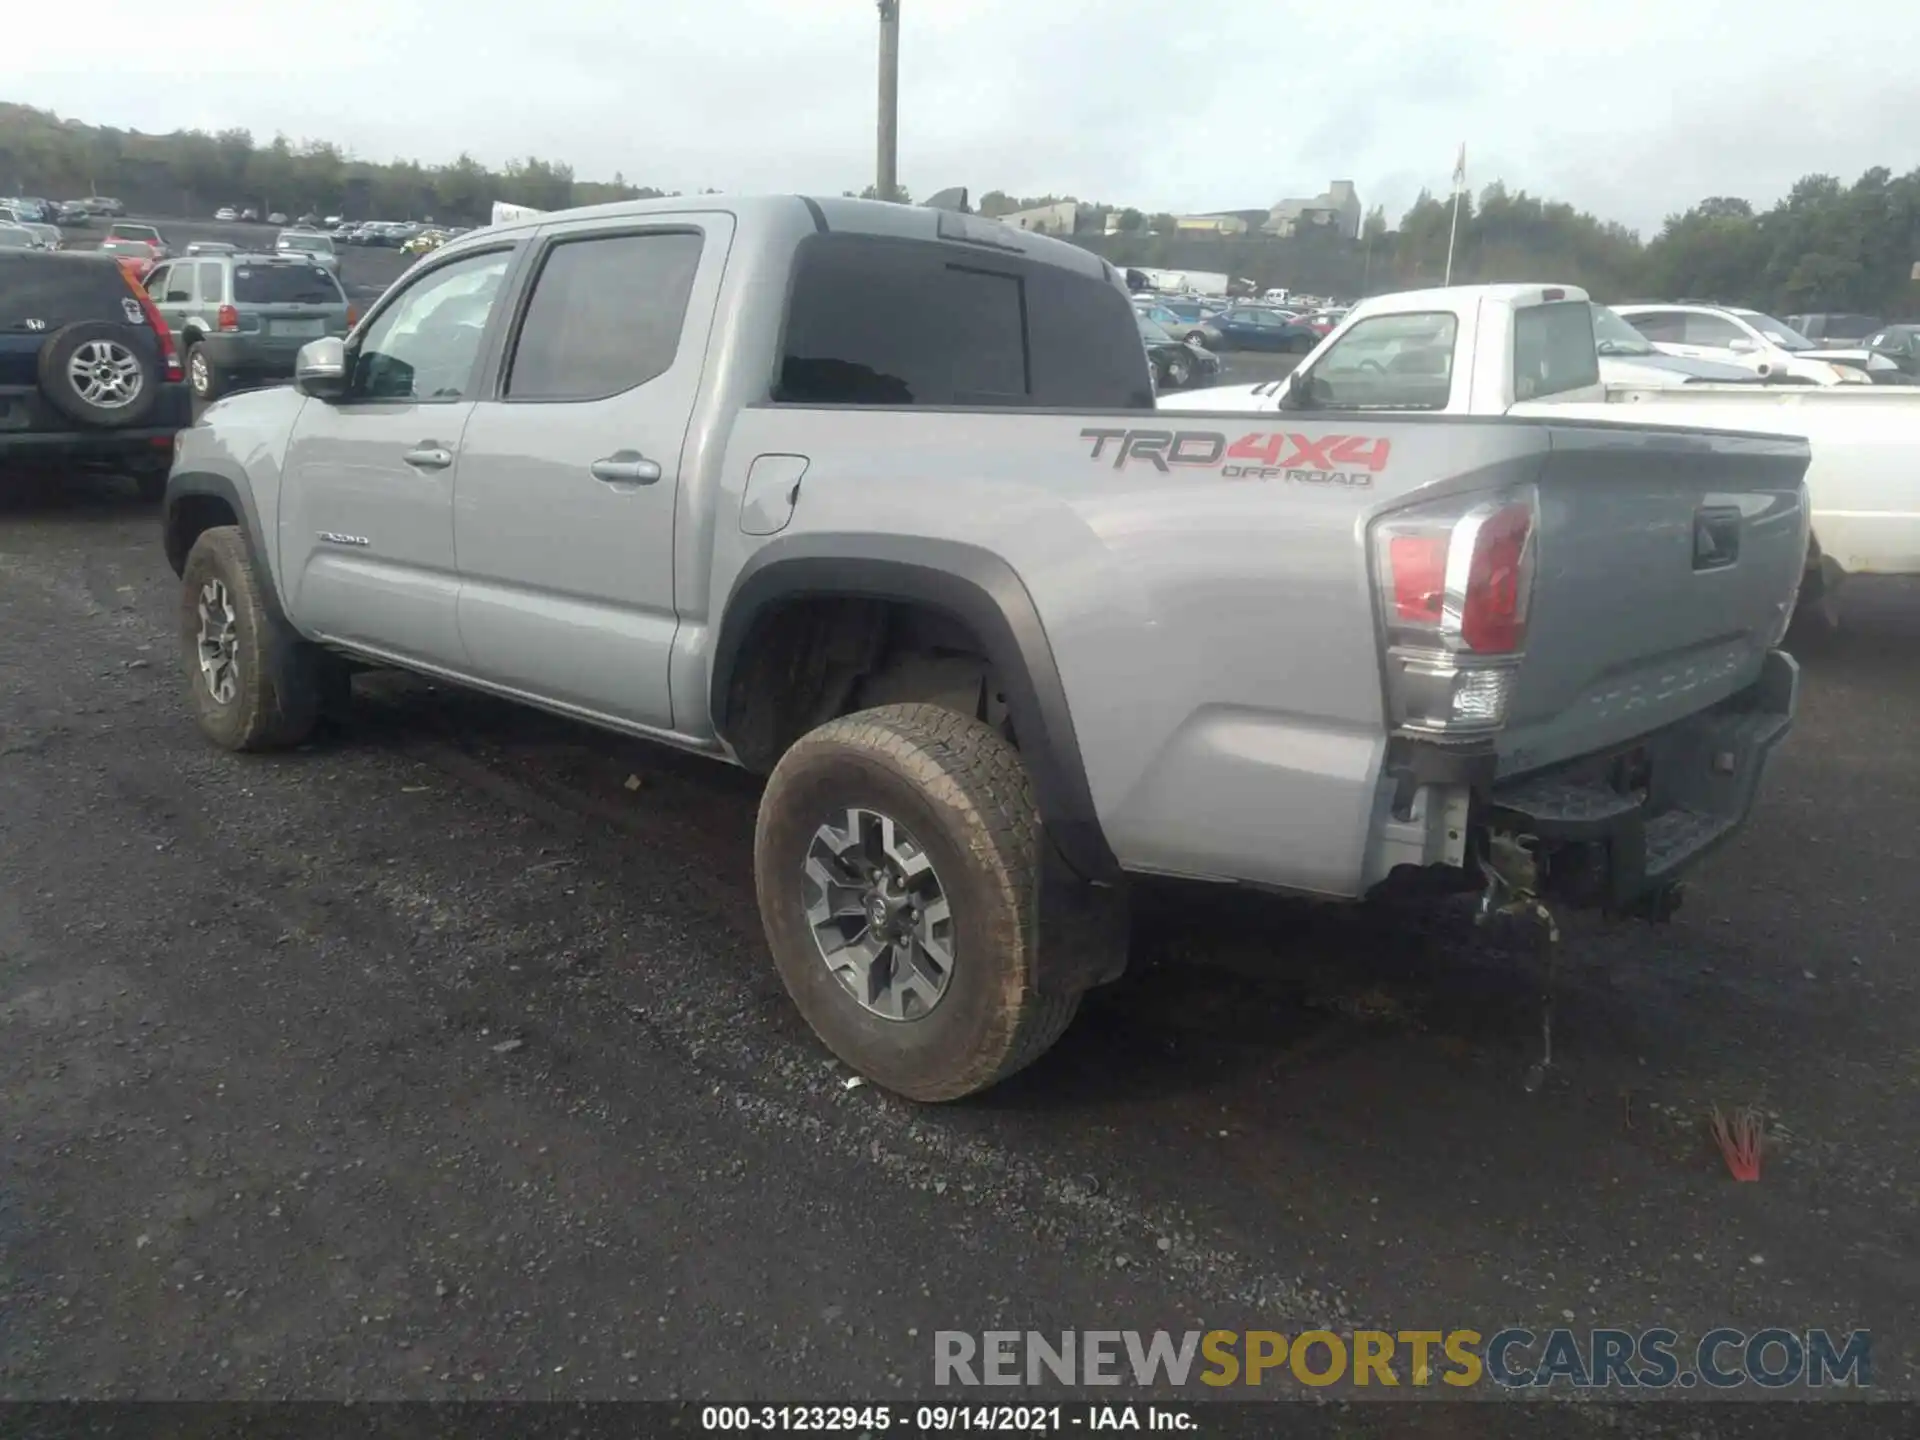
320	369
1299	394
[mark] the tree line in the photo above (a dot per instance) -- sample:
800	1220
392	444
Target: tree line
1827	245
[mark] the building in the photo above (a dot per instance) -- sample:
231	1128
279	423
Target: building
1338	209
1219	223
1061	219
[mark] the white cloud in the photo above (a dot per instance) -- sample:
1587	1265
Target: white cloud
1626	107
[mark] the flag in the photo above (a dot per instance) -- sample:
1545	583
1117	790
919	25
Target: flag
1460	170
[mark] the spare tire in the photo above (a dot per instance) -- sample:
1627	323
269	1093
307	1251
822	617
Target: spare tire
100	374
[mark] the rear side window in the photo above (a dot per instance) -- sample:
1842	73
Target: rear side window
285	285
605	315
875	321
57	290
1553	349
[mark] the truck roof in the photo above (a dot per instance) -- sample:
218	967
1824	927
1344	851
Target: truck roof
833	213
1452	296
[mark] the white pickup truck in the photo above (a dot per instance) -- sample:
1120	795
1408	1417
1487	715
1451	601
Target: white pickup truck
1529	350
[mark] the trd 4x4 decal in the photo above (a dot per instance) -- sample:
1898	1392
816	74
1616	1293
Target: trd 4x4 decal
1263	455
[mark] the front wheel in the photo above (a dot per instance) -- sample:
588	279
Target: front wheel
252	682
897	861
1179	373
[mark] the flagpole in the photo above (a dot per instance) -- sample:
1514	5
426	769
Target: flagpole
1453	229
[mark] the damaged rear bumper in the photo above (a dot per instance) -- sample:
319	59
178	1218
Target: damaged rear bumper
1617	829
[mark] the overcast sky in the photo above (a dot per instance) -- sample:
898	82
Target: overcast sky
1630	108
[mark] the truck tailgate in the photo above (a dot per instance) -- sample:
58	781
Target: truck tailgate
1667	566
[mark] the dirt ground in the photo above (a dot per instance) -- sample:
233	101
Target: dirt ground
442	1058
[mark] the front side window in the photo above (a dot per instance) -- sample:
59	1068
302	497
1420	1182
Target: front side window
157	279
1714	331
1661	327
606	315
1391	362
423	346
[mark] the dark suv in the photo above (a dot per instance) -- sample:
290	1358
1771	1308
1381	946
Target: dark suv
88	371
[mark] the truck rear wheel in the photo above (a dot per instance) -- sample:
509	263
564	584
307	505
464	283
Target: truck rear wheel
252	682
897	860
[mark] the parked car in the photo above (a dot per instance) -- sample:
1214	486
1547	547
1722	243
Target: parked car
18	237
226	213
424	241
1521	350
992	626
1255	327
1183	319
1835	329
104	205
310	243
1628	358
1736	335
1901	345
45	236
276	218
128	230
88	371
72	212
249	215
241	319
343	234
1176	364
308	221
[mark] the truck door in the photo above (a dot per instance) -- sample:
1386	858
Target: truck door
568	475
366	514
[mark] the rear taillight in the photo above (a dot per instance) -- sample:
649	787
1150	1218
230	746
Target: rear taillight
169	357
353	316
1455	580
227	318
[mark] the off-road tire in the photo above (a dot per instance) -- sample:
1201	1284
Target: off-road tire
964	793
278	693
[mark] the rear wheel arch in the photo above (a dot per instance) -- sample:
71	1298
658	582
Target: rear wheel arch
962	586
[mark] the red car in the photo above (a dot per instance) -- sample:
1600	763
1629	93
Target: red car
1321	321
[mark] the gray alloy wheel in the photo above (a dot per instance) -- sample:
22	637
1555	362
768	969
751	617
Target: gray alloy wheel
219	643
106	373
1179	372
879	915
199	372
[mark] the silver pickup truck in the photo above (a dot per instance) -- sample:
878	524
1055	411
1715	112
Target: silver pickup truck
874	500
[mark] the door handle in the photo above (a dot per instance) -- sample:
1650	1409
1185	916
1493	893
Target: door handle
428	457
625	467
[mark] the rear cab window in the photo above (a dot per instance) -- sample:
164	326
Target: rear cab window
285	285
1554	349
875	320
1390	362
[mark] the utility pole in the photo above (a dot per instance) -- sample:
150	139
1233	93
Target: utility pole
887	181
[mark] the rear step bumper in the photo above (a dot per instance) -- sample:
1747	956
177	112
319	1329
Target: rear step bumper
1616	830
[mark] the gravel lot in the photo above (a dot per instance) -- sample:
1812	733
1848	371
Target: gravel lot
442	1058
